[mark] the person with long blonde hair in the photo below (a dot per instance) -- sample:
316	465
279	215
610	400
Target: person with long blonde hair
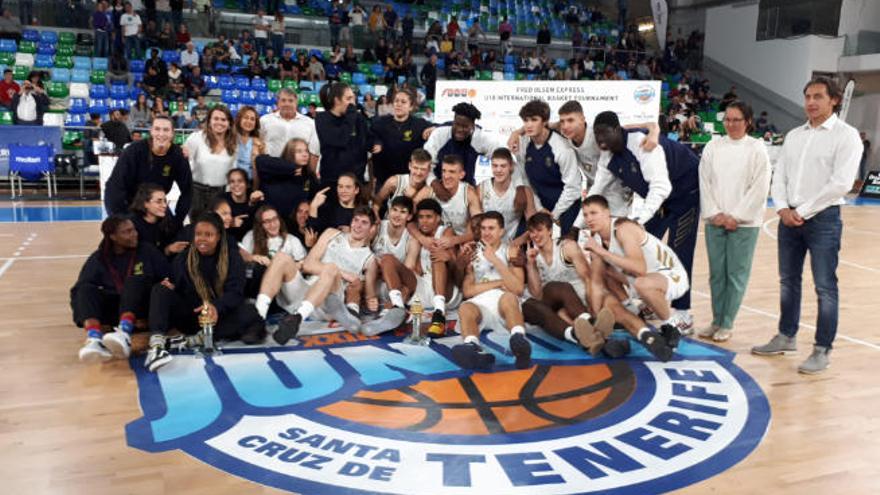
211	153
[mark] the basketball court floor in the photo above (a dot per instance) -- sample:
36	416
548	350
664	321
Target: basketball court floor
69	428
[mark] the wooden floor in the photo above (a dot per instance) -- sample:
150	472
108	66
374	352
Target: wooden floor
62	423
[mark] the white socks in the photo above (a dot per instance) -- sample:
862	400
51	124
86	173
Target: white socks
396	298
440	304
569	335
262	303
585	316
641	332
517	329
354	307
305	309
472	339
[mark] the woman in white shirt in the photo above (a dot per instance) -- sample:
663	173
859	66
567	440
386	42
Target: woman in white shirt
212	153
734	183
268	238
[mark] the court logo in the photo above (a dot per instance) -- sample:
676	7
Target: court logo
342	413
644	94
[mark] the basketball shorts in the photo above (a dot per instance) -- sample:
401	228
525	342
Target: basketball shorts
293	293
490	314
425	291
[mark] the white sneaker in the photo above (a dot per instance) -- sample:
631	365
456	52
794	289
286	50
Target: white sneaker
723	335
683	321
93	351
708	332
118	343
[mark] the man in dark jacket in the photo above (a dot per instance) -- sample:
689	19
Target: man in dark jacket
155	160
29	105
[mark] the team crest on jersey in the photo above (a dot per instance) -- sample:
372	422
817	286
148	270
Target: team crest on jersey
138	268
407	135
348	414
166	171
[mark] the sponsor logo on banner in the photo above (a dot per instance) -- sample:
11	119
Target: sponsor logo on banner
644	94
348	414
459	93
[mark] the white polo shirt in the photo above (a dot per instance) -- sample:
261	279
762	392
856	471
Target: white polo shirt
130	24
277	131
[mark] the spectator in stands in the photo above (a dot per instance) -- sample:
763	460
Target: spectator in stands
335	21
543	37
195	83
132	28
763	125
473	35
177	15
376	23
250	146
115	130
157	160
357	19
728	97
108	291
212	152
176	82
435	32
157	71
154	223
270	64
10	27
167	38
407	26
103	27
8	89
163	12
29	104
26	12
198	114
262	27
452	30
287	181
182	36
432	46
189	58
278	33
343	134
369	106
151	34
383	108
428	77
505	30
391	19
315	71
118	40
333	206
287	67
158	108
399	134
349	59
734	182
139	116
286	123
118	69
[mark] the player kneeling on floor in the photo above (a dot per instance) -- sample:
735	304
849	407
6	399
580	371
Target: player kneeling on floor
627	259
207	275
115	283
330	275
493	283
556	274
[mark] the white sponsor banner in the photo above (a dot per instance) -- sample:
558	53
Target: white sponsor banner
500	101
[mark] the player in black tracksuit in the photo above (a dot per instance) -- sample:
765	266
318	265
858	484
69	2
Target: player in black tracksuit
114	286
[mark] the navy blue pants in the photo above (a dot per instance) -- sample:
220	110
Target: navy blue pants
682	221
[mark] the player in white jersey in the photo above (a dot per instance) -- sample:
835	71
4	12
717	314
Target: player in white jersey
463	204
624	253
331	273
556	274
500	194
409	185
493	283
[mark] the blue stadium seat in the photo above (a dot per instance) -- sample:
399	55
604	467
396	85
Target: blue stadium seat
212	82
98	106
365	89
79	75
119	82
49	37
30	35
234	108
242	82
118	92
82	63
510	76
9	46
134	92
118	104
100	63
248	97
230	96
258	84
306	86
61	75
78	106
75	119
222	68
266	98
378	69
171	56
358	78
137	66
263	109
137	77
43	61
98	91
226	82
45	48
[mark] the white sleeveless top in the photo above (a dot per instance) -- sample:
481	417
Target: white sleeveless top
484	270
558	270
425	255
503	204
658	256
383	245
455	211
351	259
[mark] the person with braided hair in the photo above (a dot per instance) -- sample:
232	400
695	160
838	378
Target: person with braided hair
209	275
114	285
464	139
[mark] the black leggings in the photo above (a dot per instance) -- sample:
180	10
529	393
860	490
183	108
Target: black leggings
543	312
169	309
90	301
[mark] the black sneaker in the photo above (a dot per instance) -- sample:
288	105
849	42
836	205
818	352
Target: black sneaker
671	334
255	334
438	324
520	347
471	356
656	345
156	358
288	328
616	348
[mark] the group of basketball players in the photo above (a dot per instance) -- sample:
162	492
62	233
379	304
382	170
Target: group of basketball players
565	235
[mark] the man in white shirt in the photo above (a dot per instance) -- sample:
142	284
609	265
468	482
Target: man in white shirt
131	28
286	123
189	58
262	26
816	169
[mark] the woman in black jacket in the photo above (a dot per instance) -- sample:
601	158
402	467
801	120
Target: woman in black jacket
286	181
114	286
154	223
207	277
343	133
399	134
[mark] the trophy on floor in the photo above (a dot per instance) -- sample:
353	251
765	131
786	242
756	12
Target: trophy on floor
415	337
207	334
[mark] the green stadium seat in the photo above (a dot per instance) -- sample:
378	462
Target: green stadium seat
179	138
274	85
98	77
64	51
7	58
484	75
20	72
64	62
58	89
290	84
345	77
66	38
70	138
5	118
27	47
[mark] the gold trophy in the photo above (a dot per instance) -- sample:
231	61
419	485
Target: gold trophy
207	334
416	310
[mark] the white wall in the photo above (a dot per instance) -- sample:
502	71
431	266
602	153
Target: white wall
782	66
863	116
859	15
